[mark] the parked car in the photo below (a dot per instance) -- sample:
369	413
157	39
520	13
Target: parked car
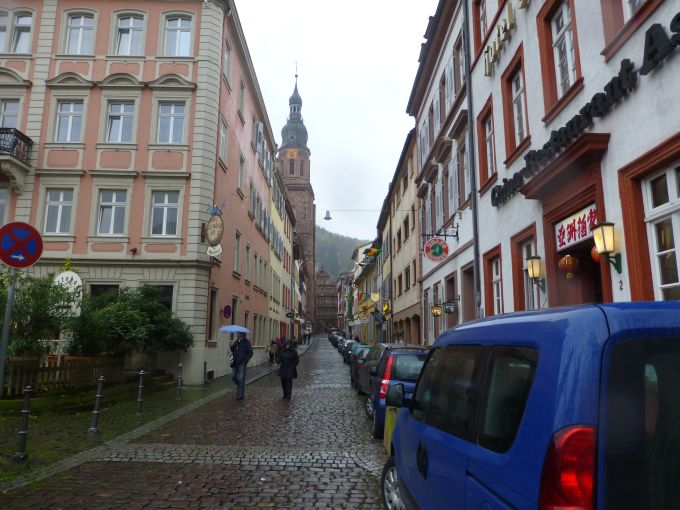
397	365
356	361
372	360
335	338
347	350
564	408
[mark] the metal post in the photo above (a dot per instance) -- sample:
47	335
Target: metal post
139	393
23	432
97	405
179	382
5	328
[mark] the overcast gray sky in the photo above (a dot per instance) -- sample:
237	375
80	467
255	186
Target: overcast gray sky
357	60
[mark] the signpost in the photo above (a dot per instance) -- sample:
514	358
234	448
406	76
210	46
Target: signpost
20	246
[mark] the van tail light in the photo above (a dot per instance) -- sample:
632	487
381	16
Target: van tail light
385	382
568	479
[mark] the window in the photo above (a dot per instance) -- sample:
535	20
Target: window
302	168
4	194
4	22
9	113
171	122
162	294
79	35
407	278
99	289
129	35
111	212
400	287
452	392
459	57
511	373
493	282
237	253
164	211
621	19
515	107
119	125
632	6
20	30
213	314
178	36
486	144
291	167
58	211
406	229
248	262
399	240
242	98
662	215
241	171
69	121
530	301
223	142
563	48
497	284
452	184
226	61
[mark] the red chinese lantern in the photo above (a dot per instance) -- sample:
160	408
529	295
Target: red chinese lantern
569	264
594	254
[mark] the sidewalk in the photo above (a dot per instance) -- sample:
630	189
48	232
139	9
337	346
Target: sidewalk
60	442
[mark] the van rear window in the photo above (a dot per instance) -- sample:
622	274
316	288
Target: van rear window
642	431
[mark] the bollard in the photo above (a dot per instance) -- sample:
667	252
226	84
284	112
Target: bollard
97	405
23	433
139	393
179	382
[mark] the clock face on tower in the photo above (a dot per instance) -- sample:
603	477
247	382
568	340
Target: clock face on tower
292	154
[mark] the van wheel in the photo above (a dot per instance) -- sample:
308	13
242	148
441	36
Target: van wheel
376	430
389	487
370	411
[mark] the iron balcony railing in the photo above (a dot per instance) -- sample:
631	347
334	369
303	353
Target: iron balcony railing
14	143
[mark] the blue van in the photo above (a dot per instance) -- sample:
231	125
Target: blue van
567	408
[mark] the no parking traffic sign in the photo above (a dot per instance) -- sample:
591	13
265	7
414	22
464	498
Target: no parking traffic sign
20	244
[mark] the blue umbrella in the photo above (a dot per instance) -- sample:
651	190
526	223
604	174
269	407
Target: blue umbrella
233	328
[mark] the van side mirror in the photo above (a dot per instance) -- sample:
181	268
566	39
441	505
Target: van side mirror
373	371
395	396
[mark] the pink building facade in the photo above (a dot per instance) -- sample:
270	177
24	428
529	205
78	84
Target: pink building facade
125	126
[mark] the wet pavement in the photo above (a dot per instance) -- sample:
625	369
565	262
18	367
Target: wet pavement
314	451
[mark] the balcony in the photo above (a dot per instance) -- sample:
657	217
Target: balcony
15	156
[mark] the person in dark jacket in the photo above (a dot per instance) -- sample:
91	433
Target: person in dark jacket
242	351
287	369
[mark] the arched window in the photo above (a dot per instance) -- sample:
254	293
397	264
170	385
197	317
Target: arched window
291	165
302	168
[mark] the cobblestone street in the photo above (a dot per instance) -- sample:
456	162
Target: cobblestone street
263	452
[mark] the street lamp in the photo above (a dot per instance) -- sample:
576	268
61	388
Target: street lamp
603	234
437	310
534	270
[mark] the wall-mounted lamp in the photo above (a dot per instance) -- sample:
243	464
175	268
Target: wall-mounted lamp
133	251
603	234
437	310
534	270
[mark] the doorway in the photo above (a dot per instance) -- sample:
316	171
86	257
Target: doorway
585	286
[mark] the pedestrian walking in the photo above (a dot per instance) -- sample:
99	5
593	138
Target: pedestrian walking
288	369
279	345
273	352
242	352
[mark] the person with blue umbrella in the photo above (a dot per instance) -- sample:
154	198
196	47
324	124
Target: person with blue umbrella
241	351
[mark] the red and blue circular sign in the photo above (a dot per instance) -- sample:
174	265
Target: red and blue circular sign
20	244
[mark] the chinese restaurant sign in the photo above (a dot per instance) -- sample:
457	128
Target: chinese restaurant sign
576	228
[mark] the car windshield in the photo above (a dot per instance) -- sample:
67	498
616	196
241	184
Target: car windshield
406	367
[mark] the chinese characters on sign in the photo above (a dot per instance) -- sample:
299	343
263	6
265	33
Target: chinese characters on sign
576	228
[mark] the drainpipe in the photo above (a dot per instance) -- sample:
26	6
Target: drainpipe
471	162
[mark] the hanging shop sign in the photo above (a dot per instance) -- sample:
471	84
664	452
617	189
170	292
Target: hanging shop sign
226	311
576	228
214	251
214	230
436	249
449	306
658	46
378	316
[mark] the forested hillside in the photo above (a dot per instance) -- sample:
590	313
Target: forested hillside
334	251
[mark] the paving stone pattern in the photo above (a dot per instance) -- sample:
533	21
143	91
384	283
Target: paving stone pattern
314	451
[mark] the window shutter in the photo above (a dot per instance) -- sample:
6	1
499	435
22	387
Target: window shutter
260	138
437	113
453	183
468	183
449	84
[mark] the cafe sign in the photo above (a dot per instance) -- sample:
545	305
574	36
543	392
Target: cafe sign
576	228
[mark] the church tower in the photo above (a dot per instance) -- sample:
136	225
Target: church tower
295	168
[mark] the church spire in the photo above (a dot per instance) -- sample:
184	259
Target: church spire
294	133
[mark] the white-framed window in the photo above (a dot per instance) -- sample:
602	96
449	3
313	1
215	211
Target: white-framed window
120	122
69	121
436	110
453	183
177	36
563	48
15	32
111	218
439	206
9	113
450	91
631	8
662	215
489	144
531	291
248	261
518	107
483	22
130	35
428	215
223	141
465	168
497	285
58	211
164	213
80	35
226	61
237	253
4	196
171	122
